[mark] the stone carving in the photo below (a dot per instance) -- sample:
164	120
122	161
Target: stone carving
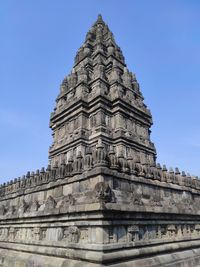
62	170
78	163
155	201
54	234
123	164
71	234
100	155
187	201
88	160
140	169
83	235
11	210
23	207
67	202
12	233
50	204
131	165
34	206
37	233
69	166
171	231
113	159
2	210
103	192
133	233
136	198
4	232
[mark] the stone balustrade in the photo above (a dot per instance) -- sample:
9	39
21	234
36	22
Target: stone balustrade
100	158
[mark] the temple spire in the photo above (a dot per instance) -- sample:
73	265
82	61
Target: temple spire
100	19
100	71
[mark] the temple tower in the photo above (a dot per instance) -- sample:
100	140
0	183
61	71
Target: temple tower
102	200
101	99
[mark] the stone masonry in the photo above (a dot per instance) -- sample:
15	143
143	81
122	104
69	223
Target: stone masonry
103	200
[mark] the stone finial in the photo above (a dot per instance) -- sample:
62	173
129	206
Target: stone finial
183	174
188	175
177	172
126	77
48	169
158	166
188	180
42	170
99	19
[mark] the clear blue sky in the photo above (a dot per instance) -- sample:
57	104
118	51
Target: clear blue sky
39	38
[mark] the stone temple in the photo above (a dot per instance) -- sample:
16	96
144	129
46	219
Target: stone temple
103	200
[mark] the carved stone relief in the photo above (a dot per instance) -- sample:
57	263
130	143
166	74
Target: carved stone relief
50	204
71	234
103	192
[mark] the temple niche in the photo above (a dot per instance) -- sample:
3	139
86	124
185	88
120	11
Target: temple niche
103	200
